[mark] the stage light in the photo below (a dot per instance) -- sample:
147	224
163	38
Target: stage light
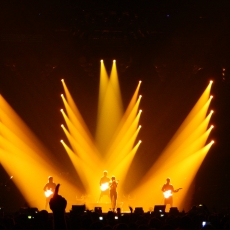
211	97
140	111
211	111
211	82
62	80
212	126
62	95
140	82
101	60
114	60
139	126
140	96
139	141
61	141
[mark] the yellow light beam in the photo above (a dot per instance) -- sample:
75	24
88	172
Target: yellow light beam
124	139
196	112
79	144
26	158
122	168
195	133
74	107
119	135
80	127
110	113
104	79
81	167
187	127
124	151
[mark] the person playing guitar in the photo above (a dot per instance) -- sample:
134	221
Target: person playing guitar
49	189
168	191
104	185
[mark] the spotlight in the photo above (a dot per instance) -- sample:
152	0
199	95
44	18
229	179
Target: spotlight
140	82
101	60
211	82
61	95
140	111
139	126
61	141
140	96
62	80
62	125
211	111
114	60
212	126
61	110
139	141
211	97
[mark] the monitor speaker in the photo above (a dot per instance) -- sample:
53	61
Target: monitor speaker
159	208
78	208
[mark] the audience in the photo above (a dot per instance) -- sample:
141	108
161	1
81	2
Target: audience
198	218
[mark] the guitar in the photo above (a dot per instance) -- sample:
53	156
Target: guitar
48	193
168	193
104	186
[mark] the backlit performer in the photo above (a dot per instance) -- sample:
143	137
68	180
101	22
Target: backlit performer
113	192
168	191
104	185
49	189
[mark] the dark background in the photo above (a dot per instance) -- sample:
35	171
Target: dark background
174	47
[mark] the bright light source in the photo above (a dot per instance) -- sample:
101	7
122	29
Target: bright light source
140	82
140	141
62	95
61	141
114	60
139	126
101	60
61	110
140	96
140	111
62	80
212	126
62	125
211	111
212	142
211	82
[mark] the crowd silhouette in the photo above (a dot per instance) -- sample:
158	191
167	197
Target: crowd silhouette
197	218
89	220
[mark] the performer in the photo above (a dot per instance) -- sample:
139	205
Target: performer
113	192
104	185
167	190
49	189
